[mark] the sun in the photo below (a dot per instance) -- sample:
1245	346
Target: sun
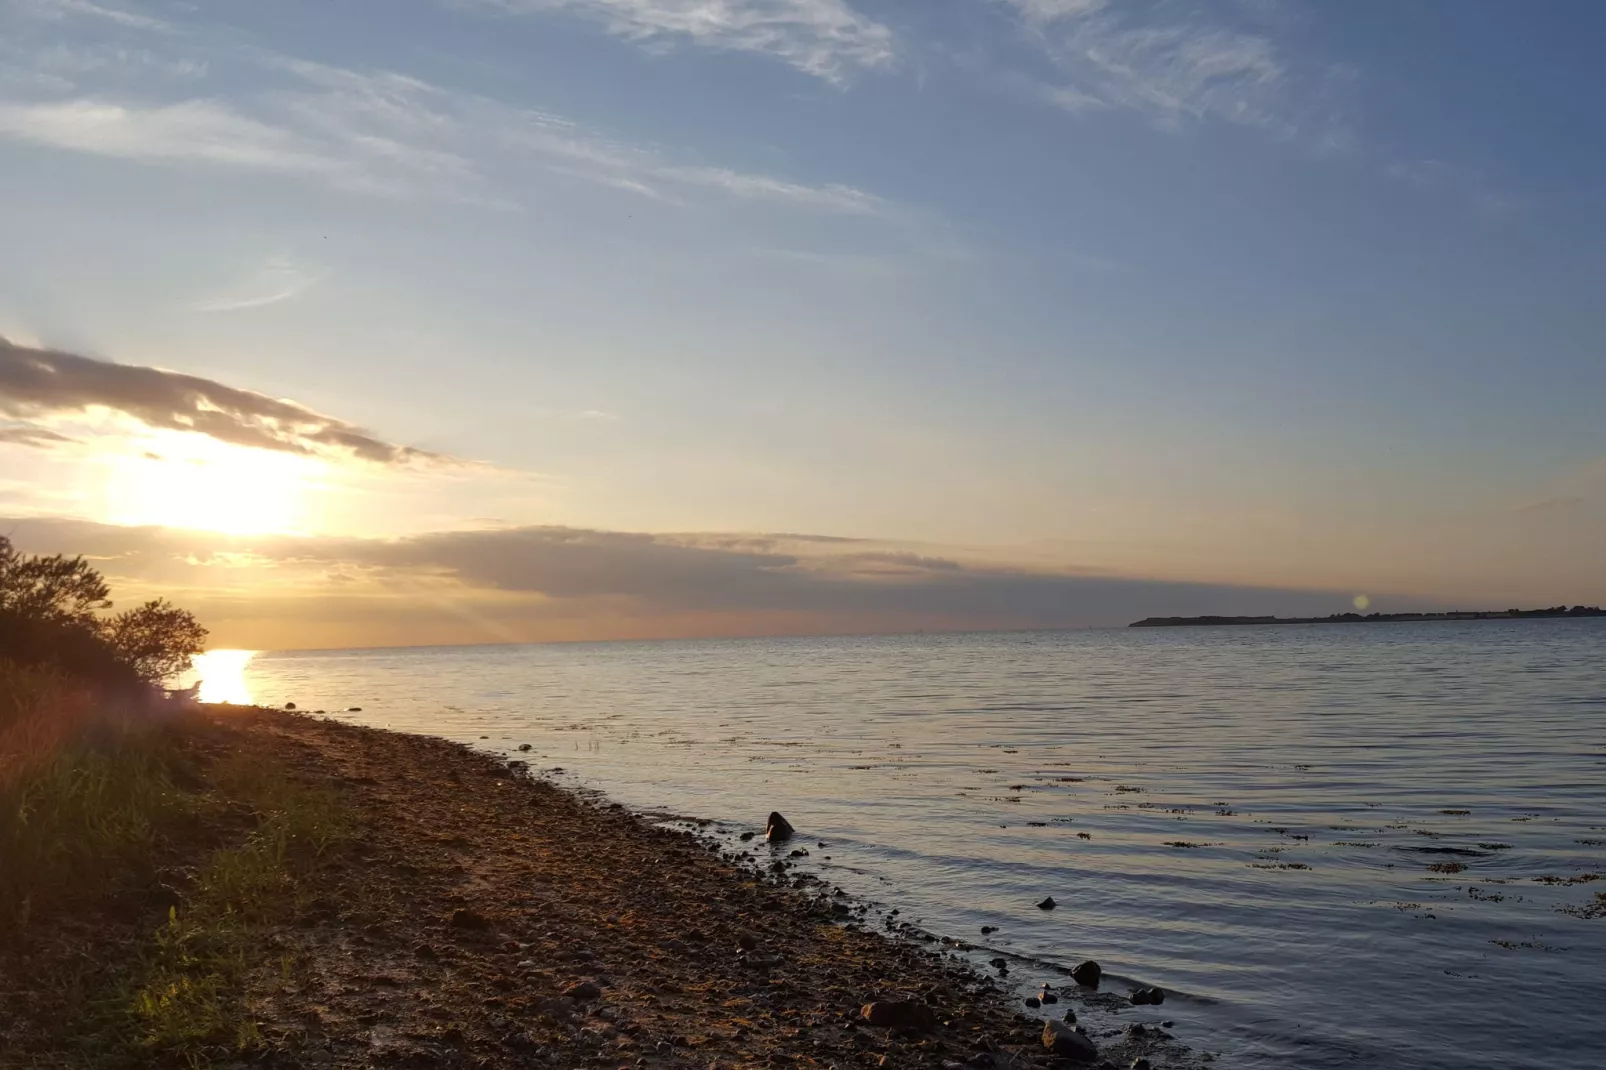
190	481
221	674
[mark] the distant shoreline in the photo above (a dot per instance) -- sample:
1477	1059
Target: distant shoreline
1372	618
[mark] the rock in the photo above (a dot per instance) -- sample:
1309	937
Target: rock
899	1015
1140	997
801	852
1047	904
1049	997
998	963
1141	1063
1033	1001
1137	1030
1070	1016
463	918
584	992
1148	995
746	942
424	951
744	837
1156	996
777	828
525	746
1062	1040
289	705
985	929
353	709
1087	974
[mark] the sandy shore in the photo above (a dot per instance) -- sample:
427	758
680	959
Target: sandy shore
488	919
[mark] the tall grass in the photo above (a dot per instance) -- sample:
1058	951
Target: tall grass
85	797
102	805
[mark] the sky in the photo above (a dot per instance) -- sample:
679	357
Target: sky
438	321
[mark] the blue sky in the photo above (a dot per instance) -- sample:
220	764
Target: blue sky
1257	292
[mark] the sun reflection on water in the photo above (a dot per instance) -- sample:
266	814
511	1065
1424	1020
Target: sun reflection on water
222	676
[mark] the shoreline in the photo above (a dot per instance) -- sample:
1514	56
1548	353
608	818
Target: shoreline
483	917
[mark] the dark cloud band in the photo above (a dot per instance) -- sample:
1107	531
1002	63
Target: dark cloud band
43	382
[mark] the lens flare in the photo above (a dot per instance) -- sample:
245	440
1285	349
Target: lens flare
222	676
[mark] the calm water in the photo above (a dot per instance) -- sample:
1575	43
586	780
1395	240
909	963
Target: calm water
1245	817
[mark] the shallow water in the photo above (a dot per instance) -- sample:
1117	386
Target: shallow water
1246	817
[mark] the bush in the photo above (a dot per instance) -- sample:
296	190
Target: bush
52	615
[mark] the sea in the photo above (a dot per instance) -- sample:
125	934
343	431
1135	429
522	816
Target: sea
1378	845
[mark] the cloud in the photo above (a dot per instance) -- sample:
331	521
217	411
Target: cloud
280	279
824	38
203	131
555	582
42	382
1146	59
28	435
372	132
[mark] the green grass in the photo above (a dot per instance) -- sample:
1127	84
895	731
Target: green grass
125	814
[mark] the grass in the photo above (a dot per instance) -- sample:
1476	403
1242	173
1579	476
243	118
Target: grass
107	816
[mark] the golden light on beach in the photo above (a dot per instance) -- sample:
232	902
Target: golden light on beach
222	676
190	481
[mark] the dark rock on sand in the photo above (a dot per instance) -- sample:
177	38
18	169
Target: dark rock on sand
584	992
525	746
353	709
1087	974
289	705
1047	904
1062	1040
898	1015
777	828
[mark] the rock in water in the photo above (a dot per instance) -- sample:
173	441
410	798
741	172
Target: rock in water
1087	974
894	1015
1156	996
289	705
1063	1040
1047	904
777	828
524	747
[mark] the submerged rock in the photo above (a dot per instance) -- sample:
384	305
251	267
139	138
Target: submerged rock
1033	1001
1065	1041
1145	996
1087	974
1047	904
777	828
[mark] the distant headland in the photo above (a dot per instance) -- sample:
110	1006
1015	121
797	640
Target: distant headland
1374	618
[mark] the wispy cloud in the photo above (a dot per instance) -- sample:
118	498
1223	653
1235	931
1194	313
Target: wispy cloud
374	132
280	279
1158	61
824	38
46	382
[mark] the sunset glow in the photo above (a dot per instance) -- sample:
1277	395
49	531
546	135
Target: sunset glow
190	481
222	676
